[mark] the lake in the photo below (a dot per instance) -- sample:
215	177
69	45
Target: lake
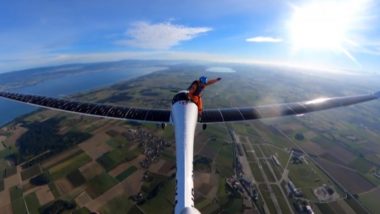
67	85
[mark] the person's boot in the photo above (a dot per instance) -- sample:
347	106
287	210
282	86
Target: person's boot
204	126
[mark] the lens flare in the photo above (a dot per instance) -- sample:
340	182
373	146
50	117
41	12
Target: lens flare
326	25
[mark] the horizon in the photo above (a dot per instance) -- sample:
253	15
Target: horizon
310	69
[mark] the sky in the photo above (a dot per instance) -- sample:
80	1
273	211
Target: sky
341	34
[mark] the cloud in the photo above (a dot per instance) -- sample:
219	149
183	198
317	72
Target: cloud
159	36
264	39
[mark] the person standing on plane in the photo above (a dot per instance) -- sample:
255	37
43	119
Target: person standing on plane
195	91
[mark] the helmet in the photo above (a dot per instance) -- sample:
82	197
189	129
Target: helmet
203	79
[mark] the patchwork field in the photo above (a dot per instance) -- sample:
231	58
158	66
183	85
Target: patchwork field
353	181
44	195
107	170
64	168
99	184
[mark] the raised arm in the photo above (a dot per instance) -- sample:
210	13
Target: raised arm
210	82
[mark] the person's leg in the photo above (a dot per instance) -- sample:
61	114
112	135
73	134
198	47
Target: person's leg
200	109
198	101
200	106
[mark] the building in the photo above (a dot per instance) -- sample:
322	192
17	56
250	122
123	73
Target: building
293	191
297	156
377	173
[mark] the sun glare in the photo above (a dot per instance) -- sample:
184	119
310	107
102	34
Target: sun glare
325	25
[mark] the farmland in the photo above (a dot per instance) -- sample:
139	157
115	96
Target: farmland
104	171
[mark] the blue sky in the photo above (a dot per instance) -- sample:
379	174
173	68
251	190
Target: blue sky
45	32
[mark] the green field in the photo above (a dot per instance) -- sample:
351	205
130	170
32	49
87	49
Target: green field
234	205
157	203
362	165
371	200
267	150
76	178
5	152
354	129
277	170
32	203
267	172
163	196
154	182
18	206
202	203
307	177
281	200
266	196
54	190
370	177
17	200
118	142
256	171
258	151
100	184
355	206
15	193
248	152
82	210
224	160
168	155
64	168
325	208
126	173
118	205
113	158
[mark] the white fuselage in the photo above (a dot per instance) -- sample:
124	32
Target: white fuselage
184	117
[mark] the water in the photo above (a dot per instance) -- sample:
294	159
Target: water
67	85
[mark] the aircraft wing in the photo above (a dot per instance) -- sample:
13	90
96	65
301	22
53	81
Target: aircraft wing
208	116
92	109
279	110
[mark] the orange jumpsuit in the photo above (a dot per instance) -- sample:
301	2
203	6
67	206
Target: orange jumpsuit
195	91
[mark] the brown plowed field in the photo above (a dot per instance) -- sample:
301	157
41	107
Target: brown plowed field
44	195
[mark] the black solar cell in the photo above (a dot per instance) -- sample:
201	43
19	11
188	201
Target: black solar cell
249	113
300	108
294	108
86	108
158	115
231	114
212	116
208	116
120	112
136	114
